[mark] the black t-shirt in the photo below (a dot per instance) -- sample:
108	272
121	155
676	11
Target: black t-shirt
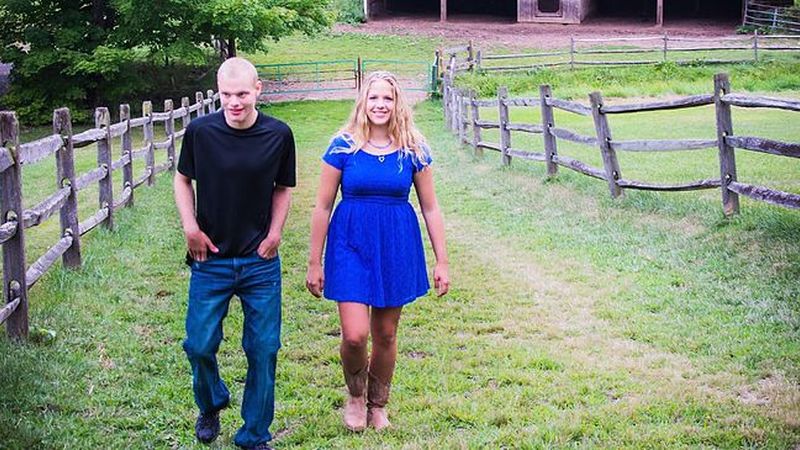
235	172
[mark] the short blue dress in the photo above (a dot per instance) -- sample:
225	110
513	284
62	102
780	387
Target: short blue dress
374	251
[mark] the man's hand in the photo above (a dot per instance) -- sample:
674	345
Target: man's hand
315	279
199	245
268	248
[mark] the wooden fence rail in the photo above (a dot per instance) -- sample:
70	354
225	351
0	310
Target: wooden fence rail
462	111
19	278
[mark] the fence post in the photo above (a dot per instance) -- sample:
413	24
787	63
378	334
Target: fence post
445	101
150	157
774	18
571	52
465	102
463	116
451	73
548	122
169	128
470	56
102	120
359	74
450	107
65	171
186	116
198	98
727	156
459	116
505	133
212	106
127	150
14	283
476	130
457	111
604	141
755	45
478	60
666	40
451	104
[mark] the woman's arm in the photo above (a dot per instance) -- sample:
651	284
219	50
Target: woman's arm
423	184
326	194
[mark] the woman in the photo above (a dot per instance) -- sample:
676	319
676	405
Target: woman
374	261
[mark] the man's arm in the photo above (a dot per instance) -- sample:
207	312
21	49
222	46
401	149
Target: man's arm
281	200
198	243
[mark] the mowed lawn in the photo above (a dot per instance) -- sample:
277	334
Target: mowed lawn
574	321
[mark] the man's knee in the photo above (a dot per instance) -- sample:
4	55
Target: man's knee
261	346
197	349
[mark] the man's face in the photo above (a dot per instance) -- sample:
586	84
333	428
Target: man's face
238	95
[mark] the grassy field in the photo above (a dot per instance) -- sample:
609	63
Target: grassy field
575	321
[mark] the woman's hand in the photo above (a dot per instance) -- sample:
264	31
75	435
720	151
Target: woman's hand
441	279
315	279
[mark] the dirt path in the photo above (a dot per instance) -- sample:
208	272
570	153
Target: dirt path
561	316
494	32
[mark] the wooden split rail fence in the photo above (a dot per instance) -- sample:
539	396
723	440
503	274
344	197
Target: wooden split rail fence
17	278
462	112
772	18
625	51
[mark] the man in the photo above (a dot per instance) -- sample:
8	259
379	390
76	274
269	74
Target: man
243	164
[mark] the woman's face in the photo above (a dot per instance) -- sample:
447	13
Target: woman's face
380	103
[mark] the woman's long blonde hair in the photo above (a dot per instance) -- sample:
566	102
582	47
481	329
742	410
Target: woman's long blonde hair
402	130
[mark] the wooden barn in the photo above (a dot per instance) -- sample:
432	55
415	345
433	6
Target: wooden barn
563	11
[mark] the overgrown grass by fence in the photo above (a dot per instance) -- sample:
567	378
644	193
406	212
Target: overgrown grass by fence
462	108
18	277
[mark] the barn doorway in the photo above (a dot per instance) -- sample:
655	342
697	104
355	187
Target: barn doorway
674	10
723	10
499	9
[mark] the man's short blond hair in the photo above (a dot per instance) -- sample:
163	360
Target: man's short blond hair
237	68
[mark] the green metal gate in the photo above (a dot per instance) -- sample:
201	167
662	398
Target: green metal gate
315	76
342	76
412	75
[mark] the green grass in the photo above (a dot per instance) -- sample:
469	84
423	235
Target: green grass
334	46
575	321
657	80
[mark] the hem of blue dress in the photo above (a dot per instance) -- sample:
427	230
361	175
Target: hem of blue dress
392	305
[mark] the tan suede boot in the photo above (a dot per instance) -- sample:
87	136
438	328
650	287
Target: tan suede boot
355	406
377	397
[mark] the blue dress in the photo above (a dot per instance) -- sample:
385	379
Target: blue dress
374	251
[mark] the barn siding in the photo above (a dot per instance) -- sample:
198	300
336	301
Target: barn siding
572	12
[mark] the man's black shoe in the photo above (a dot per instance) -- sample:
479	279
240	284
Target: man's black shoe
207	427
261	446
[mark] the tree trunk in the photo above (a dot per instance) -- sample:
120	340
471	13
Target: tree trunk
232	48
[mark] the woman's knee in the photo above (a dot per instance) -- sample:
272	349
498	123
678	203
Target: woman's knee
385	338
354	340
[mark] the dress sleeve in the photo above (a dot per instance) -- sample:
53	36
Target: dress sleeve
422	162
338	151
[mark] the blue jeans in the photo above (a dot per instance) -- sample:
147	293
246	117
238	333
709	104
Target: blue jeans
257	283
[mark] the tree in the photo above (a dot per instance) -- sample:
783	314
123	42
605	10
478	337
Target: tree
83	53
